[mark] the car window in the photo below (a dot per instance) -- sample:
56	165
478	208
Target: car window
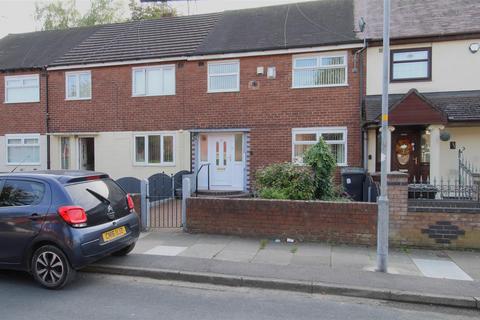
21	193
90	194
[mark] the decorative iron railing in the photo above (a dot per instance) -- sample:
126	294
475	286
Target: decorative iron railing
445	189
466	169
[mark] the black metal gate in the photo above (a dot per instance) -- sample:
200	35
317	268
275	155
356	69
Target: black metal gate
165	200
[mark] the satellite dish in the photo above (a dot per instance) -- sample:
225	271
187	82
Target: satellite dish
361	24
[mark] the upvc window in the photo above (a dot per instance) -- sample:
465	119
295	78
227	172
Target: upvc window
25	88
78	85
319	71
154	149
23	149
153	81
411	64
336	138
224	76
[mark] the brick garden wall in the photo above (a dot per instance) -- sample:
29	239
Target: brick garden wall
428	229
351	223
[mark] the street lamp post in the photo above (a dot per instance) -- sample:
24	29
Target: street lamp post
383	206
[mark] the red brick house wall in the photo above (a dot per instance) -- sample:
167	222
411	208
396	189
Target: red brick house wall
22	117
112	107
270	111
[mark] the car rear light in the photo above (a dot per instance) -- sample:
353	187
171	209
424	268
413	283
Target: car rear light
131	205
73	215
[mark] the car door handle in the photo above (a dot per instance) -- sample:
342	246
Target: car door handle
35	216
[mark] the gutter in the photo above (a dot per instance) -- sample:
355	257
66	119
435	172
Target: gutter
47	117
214	56
363	137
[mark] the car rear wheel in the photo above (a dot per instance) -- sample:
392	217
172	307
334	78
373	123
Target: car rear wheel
124	251
50	267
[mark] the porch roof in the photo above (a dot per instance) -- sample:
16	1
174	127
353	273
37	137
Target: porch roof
456	106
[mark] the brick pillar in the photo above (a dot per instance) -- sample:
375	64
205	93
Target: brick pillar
398	196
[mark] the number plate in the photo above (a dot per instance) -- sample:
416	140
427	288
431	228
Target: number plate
114	234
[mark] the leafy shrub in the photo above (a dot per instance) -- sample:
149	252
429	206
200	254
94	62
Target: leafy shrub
286	181
323	163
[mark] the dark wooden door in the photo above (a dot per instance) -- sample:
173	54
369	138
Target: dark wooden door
406	150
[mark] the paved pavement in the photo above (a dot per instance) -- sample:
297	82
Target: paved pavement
455	265
103	297
442	277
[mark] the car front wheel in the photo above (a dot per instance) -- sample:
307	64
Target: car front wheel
50	267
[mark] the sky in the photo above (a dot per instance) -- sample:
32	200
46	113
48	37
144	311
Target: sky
16	16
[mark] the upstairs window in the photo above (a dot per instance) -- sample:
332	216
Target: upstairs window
78	85
319	71
336	138
411	64
224	76
154	149
23	149
25	88
154	81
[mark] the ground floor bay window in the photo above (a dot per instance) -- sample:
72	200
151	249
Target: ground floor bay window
304	138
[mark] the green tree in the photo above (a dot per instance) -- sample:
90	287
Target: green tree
142	11
102	12
57	14
64	14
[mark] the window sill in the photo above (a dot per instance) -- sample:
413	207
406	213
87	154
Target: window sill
223	91
152	95
154	164
23	164
20	102
410	80
326	86
78	99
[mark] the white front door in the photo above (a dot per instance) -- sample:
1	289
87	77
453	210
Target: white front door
220	150
224	153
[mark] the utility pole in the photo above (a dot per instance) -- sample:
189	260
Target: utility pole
383	206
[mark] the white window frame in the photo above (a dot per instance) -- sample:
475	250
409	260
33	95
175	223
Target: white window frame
146	137
23	77
77	79
237	74
158	67
318	57
318	131
22	137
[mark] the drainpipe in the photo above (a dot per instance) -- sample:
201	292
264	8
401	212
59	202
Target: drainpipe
363	136
47	117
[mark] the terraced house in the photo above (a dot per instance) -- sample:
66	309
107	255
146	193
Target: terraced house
223	94
434	89
235	90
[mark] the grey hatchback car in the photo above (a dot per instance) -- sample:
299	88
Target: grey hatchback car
53	223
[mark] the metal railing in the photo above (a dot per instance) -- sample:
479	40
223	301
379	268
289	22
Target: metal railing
445	189
466	170
208	177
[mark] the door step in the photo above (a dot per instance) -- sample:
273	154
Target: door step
221	194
